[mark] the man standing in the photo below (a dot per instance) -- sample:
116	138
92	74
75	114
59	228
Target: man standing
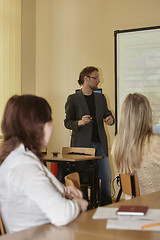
86	111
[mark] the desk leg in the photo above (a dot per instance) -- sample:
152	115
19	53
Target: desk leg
94	185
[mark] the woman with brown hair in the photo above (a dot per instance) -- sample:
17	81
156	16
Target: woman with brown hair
30	195
135	147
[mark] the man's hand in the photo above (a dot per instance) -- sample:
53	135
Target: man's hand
85	120
109	120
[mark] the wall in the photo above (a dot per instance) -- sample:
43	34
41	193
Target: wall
28	46
10	51
71	34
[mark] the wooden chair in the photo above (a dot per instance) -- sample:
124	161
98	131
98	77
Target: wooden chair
2	229
73	179
129	185
83	151
79	150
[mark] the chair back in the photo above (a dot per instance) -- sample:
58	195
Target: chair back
129	184
2	229
69	150
73	179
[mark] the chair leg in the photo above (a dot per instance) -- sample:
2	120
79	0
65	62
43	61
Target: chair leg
133	185
119	194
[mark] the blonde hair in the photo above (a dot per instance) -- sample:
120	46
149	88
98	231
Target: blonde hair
135	125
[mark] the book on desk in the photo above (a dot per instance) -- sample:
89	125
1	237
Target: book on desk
132	210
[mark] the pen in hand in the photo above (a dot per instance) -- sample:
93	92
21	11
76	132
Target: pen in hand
90	119
85	120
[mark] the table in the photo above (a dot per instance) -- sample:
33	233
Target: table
71	159
85	228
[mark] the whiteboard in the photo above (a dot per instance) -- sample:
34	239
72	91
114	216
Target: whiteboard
137	68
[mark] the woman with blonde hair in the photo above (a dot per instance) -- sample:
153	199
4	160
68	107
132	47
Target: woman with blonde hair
135	147
30	195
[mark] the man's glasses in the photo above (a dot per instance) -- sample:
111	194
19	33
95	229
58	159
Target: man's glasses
96	78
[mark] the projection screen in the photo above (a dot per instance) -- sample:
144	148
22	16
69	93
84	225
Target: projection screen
137	68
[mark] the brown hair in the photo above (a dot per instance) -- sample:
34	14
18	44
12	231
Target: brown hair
23	122
135	126
85	72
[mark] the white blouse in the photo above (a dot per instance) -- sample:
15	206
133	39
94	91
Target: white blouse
30	194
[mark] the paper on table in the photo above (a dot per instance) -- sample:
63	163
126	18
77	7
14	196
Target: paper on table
105	213
131	225
110	213
152	214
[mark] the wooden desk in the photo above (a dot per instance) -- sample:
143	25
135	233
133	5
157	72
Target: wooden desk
71	159
85	228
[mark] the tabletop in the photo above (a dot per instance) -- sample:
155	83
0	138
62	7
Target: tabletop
68	157
84	227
